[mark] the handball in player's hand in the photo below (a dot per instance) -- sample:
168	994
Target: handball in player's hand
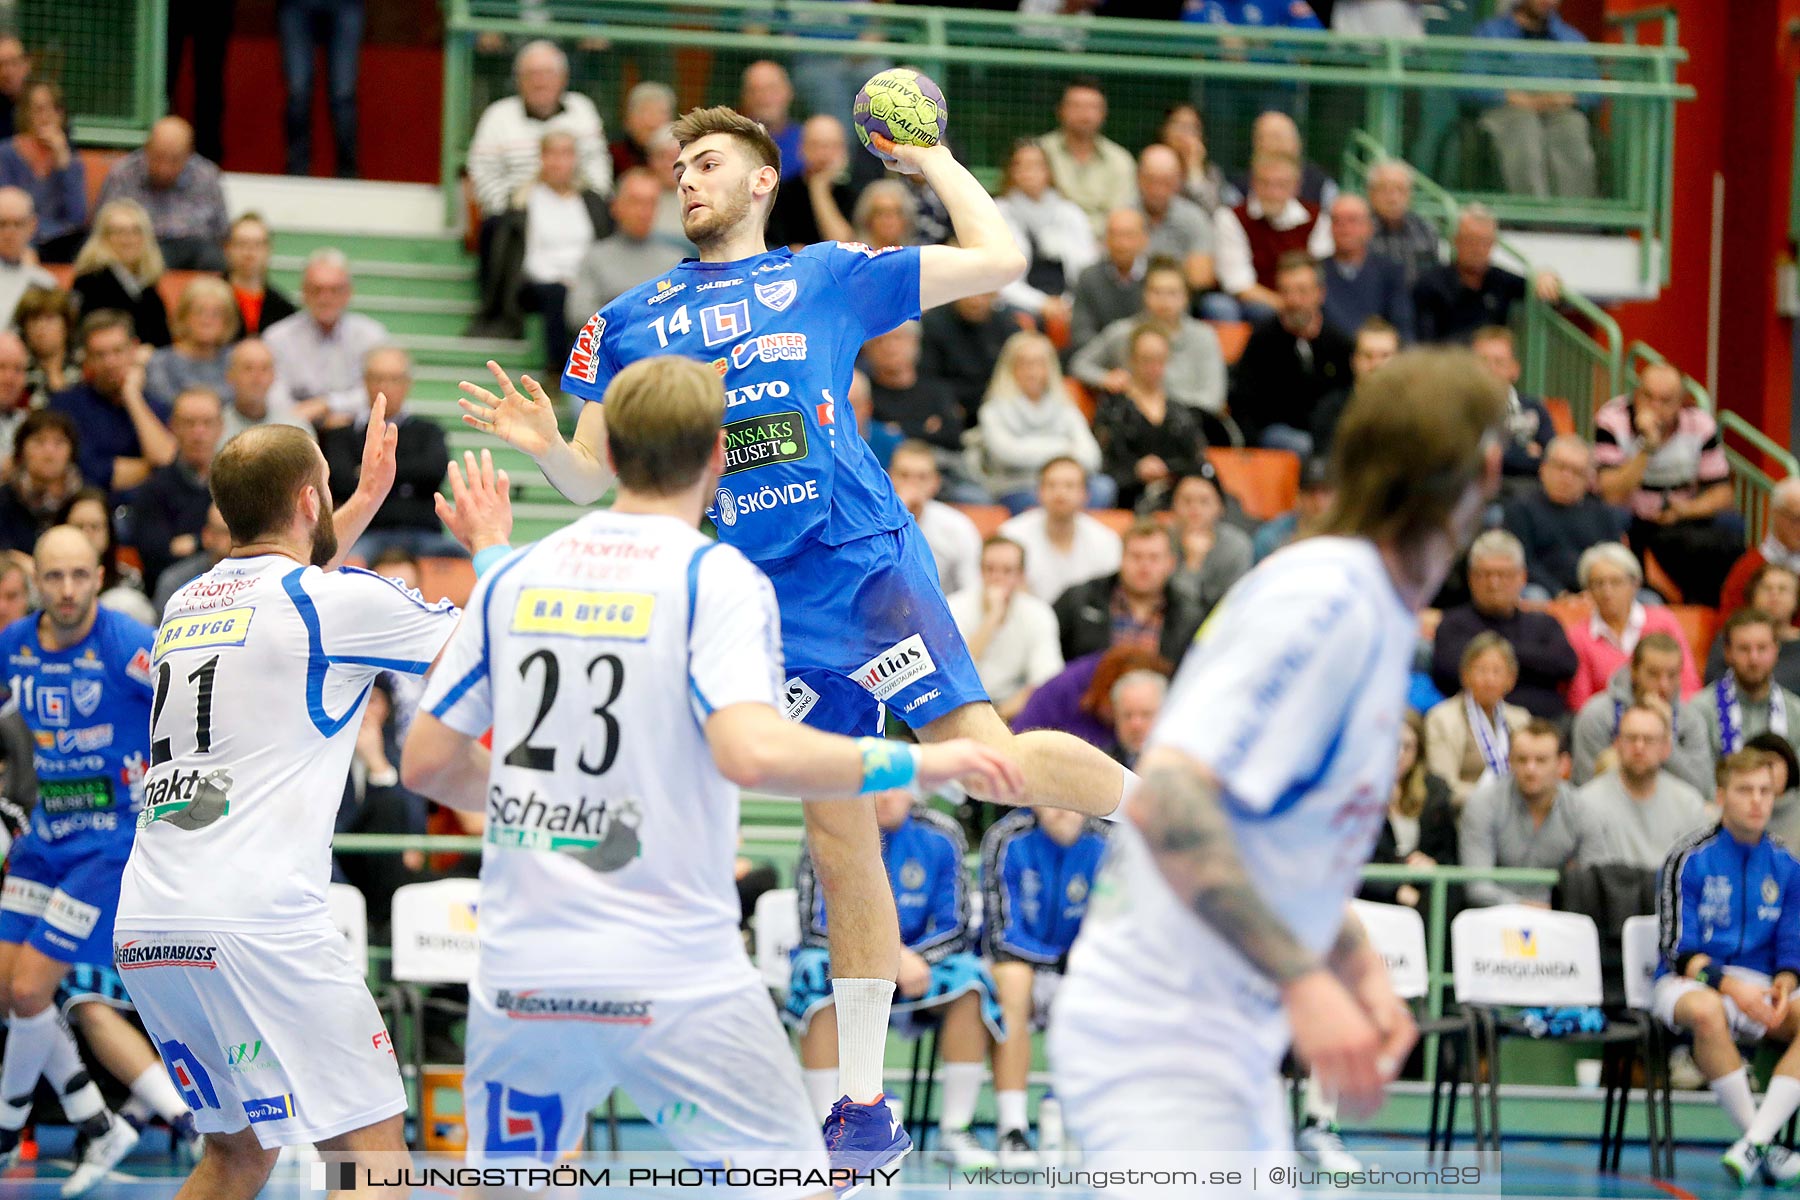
901	106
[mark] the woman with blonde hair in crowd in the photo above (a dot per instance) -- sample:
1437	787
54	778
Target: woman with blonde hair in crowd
1027	418
118	268
205	325
1469	736
886	214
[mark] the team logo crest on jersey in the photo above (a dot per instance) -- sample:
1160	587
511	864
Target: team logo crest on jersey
86	693
1077	891
53	706
727	506
912	875
723	322
584	355
778	295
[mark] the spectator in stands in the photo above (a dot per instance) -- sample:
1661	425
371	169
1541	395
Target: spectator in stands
182	192
16	397
1496	582
169	511
1292	362
1038	868
667	227
205	325
1113	288
1453	301
1012	635
15	72
923	851
1542	139
815	209
409	515
1527	417
1377	342
1359	285
18	272
886	215
1180	230
1527	816
123	437
882	437
1064	546
16	600
1467	735
954	541
259	303
1379	18
43	479
319	351
39	160
1027	419
1746	700
1651	680
1202	180
1784	822
960	346
304	26
1420	830
1401	235
1640	808
1611	578
1137	603
118	268
1274	132
256	395
1210	554
1146	440
1137	699
630	255
1258	233
1196	375
766	95
1314	497
1053	232
1561	518
649	106
1774	591
1781	544
122	586
920	407
1087	167
552	224
1666	461
46	320
1286	14
505	153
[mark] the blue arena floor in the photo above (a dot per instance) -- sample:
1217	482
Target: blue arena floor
1531	1170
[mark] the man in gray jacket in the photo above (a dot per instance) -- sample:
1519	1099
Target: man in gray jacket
1653	680
1640	809
1529	818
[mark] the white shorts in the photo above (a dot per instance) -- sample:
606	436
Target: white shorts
715	1074
274	1031
1669	990
1158	1100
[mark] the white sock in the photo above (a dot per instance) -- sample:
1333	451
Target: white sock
1126	785
1320	1107
63	1068
862	1022
1733	1091
1010	1112
962	1087
156	1089
28	1043
821	1089
1779	1103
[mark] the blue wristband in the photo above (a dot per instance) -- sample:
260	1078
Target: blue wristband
487	558
887	764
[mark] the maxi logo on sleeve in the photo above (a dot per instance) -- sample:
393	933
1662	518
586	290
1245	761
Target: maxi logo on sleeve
761	441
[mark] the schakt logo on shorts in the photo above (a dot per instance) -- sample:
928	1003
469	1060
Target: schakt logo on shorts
895	667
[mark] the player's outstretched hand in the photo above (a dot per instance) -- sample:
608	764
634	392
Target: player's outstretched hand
479	512
525	420
997	776
908	160
378	456
1336	1038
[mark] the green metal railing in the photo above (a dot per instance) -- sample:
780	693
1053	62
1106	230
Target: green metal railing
1001	73
109	56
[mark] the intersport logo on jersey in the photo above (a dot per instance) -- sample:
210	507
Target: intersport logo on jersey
602	836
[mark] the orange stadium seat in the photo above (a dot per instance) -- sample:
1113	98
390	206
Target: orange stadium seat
987	517
1574	613
446	579
1233	337
1561	416
63	273
171	285
1657	580
1116	519
1699	625
1265	482
1057	330
95	163
1084	399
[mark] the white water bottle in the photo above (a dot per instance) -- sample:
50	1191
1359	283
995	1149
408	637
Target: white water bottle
1049	1130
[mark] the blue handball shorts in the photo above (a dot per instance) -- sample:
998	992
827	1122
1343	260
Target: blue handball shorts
864	628
61	899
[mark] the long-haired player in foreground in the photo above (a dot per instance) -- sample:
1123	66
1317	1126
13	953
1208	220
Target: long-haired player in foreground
631	670
1219	929
863	620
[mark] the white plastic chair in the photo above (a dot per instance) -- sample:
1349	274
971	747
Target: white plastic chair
775	929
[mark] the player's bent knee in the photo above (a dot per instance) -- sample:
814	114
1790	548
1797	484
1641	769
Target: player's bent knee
240	1152
1704	1014
977	720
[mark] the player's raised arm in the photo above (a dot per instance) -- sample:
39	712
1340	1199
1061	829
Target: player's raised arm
985	258
526	420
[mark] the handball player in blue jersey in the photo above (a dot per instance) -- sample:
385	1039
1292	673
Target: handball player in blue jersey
864	624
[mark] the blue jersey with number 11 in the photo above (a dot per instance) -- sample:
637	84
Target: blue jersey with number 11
783	330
